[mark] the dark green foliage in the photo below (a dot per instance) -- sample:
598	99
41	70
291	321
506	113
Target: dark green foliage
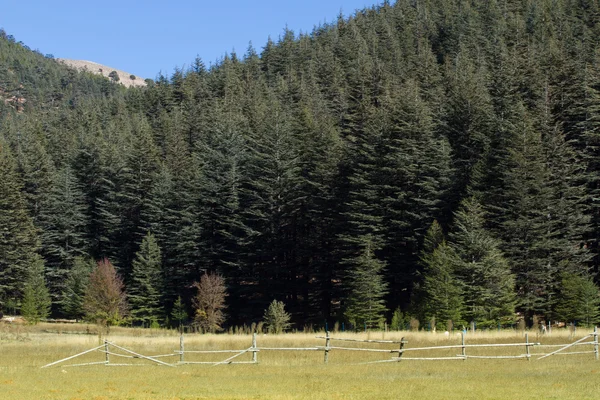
311	172
35	305
18	239
75	288
178	313
440	293
579	300
146	287
365	305
488	283
63	223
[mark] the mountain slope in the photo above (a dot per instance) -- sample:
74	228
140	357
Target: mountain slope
125	78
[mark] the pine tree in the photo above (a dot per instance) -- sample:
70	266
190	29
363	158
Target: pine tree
485	273
18	239
579	300
366	288
75	288
63	222
440	292
276	318
35	305
145	290
273	198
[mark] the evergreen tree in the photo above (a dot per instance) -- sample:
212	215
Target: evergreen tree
485	273
365	285
440	293
36	297
276	318
76	286
63	222
18	238
145	290
579	300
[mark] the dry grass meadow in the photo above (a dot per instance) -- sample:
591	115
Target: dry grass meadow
285	375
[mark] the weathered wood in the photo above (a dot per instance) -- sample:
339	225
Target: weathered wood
575	352
368	350
460	346
72	357
213	363
498	357
254	350
117	354
106	351
363	341
563	345
596	342
181	347
320	348
127	365
327	343
527	347
401	350
84	364
141	355
212	351
566	347
231	358
164	355
432	358
463	347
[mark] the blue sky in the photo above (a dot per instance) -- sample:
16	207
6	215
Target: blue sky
145	37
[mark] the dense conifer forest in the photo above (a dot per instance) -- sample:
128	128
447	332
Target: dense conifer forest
425	159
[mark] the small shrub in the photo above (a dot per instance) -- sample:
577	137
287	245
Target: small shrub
276	318
414	324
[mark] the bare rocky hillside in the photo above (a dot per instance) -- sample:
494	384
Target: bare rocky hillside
124	77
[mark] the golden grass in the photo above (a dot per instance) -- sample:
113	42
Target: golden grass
286	375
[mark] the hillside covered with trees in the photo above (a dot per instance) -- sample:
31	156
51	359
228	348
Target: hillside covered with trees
424	158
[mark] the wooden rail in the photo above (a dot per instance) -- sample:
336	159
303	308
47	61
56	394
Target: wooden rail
254	349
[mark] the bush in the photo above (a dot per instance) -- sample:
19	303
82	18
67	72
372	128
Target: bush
276	318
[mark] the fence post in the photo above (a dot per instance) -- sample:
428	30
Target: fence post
464	349
181	347
327	340
106	350
254	353
401	349
527	346
596	342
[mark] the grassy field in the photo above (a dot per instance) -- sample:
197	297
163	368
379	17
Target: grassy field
286	375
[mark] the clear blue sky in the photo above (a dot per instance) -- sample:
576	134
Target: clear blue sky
145	37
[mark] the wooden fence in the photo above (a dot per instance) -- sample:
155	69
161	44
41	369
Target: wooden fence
398	354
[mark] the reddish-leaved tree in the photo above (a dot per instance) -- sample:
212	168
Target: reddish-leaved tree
105	301
210	302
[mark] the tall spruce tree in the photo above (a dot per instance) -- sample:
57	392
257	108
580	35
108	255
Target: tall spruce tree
146	288
18	237
63	223
75	288
36	301
439	293
488	281
364	302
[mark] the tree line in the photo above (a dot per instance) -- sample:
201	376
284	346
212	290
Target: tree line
434	160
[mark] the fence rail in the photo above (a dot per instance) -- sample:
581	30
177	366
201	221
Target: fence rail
254	349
